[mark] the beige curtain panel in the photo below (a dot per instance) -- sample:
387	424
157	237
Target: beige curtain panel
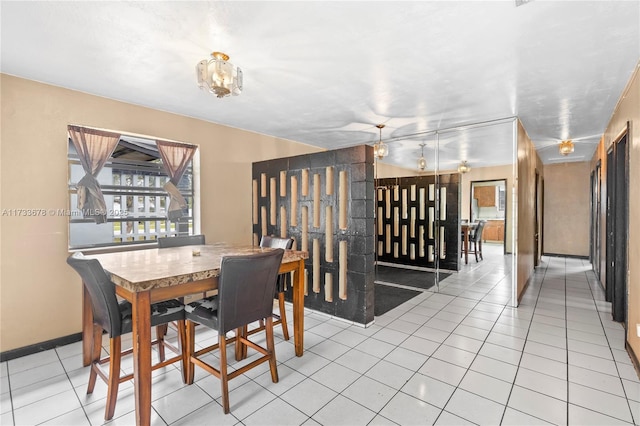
175	159
94	147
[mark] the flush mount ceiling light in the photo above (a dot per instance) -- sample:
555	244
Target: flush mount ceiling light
218	76
464	167
380	149
566	147
422	162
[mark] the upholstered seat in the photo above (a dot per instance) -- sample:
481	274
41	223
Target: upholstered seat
246	286
116	319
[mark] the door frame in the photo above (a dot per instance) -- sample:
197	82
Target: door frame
595	219
617	216
506	207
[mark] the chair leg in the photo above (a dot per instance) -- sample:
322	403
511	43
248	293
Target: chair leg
283	316
182	342
114	377
223	372
480	248
161	331
189	370
271	348
241	348
95	357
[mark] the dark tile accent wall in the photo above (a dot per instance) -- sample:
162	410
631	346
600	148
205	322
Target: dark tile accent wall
357	302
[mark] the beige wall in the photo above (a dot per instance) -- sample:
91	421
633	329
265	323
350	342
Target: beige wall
383	170
528	164
566	208
627	110
40	295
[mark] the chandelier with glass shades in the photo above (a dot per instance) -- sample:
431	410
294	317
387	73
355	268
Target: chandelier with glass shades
422	162
218	76
380	149
566	147
464	167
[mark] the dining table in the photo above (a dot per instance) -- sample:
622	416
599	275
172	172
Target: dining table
143	277
466	228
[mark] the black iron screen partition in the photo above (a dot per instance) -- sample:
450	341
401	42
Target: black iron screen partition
325	202
418	221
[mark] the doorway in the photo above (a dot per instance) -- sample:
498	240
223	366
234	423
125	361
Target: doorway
539	208
489	202
617	226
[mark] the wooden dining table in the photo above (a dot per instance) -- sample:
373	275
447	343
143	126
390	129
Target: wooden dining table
148	276
467	227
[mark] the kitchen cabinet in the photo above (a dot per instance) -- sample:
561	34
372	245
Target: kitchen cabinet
493	230
486	195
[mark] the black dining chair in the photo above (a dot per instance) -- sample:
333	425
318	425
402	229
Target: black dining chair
281	285
115	318
475	240
181	240
246	286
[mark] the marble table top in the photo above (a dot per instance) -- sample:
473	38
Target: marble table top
141	270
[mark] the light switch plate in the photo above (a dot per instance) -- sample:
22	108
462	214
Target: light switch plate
638	329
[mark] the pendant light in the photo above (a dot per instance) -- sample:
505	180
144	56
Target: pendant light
566	147
380	149
219	76
422	162
464	167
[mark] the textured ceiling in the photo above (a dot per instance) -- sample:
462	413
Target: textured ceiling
325	73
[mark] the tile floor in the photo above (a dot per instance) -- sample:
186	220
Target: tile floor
460	356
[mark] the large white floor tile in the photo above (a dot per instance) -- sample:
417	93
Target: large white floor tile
343	411
370	393
602	402
404	409
538	405
475	408
309	396
429	390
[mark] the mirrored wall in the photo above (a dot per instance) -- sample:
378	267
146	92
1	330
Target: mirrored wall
448	228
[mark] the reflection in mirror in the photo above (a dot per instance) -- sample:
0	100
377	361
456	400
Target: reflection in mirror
434	209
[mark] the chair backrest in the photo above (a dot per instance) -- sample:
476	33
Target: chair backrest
102	292
246	286
181	240
275	242
477	233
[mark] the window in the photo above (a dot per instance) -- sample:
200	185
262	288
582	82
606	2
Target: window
132	183
502	194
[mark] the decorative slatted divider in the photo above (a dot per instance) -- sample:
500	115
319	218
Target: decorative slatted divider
418	221
325	201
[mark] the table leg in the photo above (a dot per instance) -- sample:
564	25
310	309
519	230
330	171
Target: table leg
298	308
87	327
466	246
141	311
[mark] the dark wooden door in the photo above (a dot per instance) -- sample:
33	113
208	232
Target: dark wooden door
610	216
621	207
595	221
617	228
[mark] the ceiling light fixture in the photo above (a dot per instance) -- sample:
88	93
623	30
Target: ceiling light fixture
464	167
218	76
380	149
422	162
566	147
